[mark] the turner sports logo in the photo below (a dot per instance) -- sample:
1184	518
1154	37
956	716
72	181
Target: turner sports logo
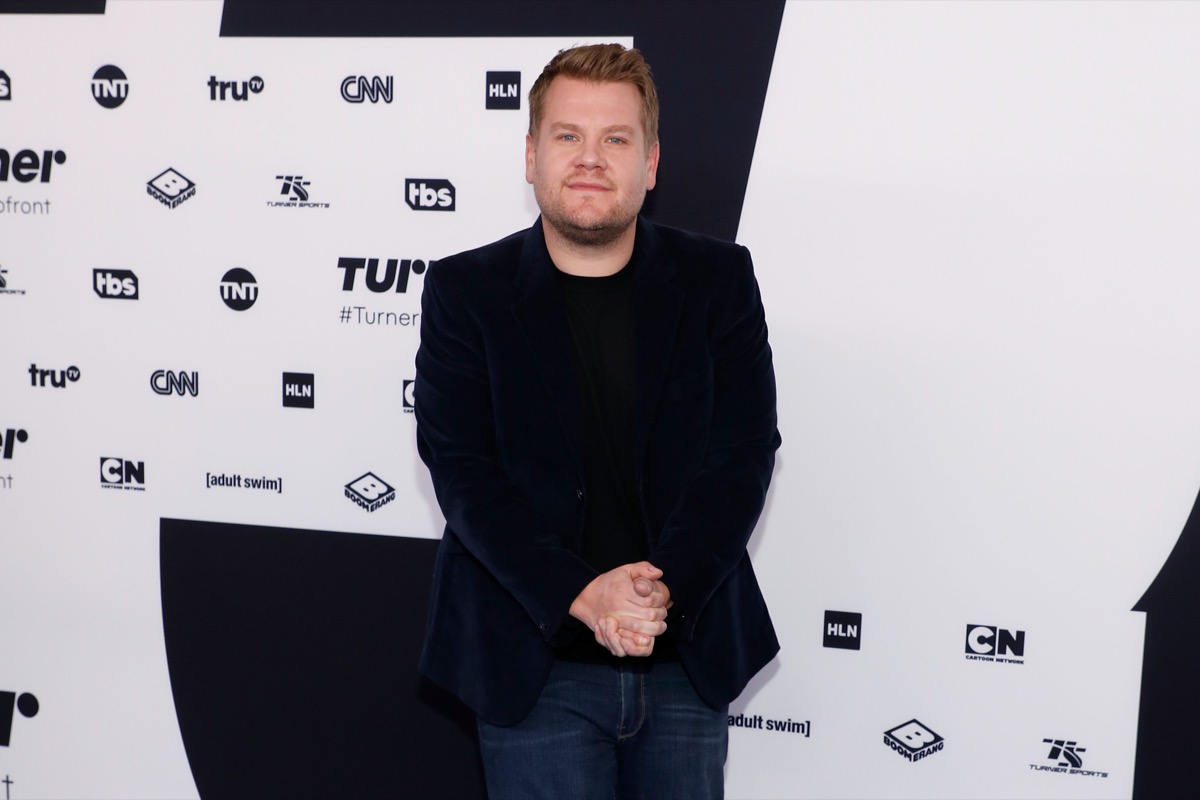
1066	755
121	473
4	287
170	188
295	189
25	703
394	277
990	643
370	491
913	740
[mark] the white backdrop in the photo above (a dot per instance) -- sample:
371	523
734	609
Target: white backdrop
974	229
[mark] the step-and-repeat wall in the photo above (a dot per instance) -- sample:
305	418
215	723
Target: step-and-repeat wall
975	230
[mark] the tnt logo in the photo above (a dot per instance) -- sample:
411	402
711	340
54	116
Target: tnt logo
119	473
395	274
109	86
503	90
170	188
58	378
26	703
167	382
293	187
370	492
410	396
357	88
842	629
429	194
239	289
5	86
233	90
913	740
27	164
115	284
989	643
8	442
1065	753
299	390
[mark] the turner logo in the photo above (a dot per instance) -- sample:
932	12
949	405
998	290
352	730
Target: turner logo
395	273
357	88
167	382
170	188
410	396
238	289
429	194
109	86
8	442
503	90
913	740
842	629
299	390
989	643
370	492
233	90
121	473
115	284
58	378
5	86
27	165
25	703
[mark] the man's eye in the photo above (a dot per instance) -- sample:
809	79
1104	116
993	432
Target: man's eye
616	140
568	137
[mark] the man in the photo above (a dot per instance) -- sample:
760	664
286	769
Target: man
596	406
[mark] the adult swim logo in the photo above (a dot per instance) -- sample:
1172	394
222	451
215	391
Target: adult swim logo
214	480
233	90
295	189
370	491
1065	753
756	722
170	188
239	290
57	378
110	86
913	740
25	703
429	194
299	390
121	473
990	643
115	284
166	382
842	629
9	440
503	90
357	88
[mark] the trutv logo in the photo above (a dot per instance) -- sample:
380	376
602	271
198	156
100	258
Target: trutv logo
990	643
394	276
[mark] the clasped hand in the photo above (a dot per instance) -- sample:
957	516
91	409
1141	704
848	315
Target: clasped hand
626	608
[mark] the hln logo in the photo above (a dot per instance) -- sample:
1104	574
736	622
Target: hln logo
109	86
395	275
26	703
503	90
167	382
120	473
299	390
429	194
239	289
357	88
8	441
842	629
990	643
115	284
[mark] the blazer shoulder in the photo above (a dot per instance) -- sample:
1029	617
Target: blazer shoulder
482	265
703	256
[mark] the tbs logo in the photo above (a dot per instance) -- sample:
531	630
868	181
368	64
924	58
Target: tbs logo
299	390
989	643
429	194
503	90
109	86
5	86
120	473
8	442
842	629
170	188
370	491
239	289
26	703
913	740
357	88
115	284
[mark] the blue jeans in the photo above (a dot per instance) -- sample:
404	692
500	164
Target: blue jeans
597	731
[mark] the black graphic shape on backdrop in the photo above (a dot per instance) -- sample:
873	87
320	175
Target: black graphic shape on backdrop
1168	737
711	60
52	6
293	664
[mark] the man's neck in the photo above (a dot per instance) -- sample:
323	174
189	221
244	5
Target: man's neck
588	261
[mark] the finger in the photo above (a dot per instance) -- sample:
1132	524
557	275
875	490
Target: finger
611	638
643	586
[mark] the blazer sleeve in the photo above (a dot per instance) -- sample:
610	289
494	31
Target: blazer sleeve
456	438
706	534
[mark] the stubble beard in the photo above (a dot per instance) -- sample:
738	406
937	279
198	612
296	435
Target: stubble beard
579	230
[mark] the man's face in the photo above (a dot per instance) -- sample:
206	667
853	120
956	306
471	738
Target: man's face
589	165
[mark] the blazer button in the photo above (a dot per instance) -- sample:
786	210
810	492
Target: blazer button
579	494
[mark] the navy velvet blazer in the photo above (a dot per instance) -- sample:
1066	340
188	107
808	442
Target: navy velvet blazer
500	426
